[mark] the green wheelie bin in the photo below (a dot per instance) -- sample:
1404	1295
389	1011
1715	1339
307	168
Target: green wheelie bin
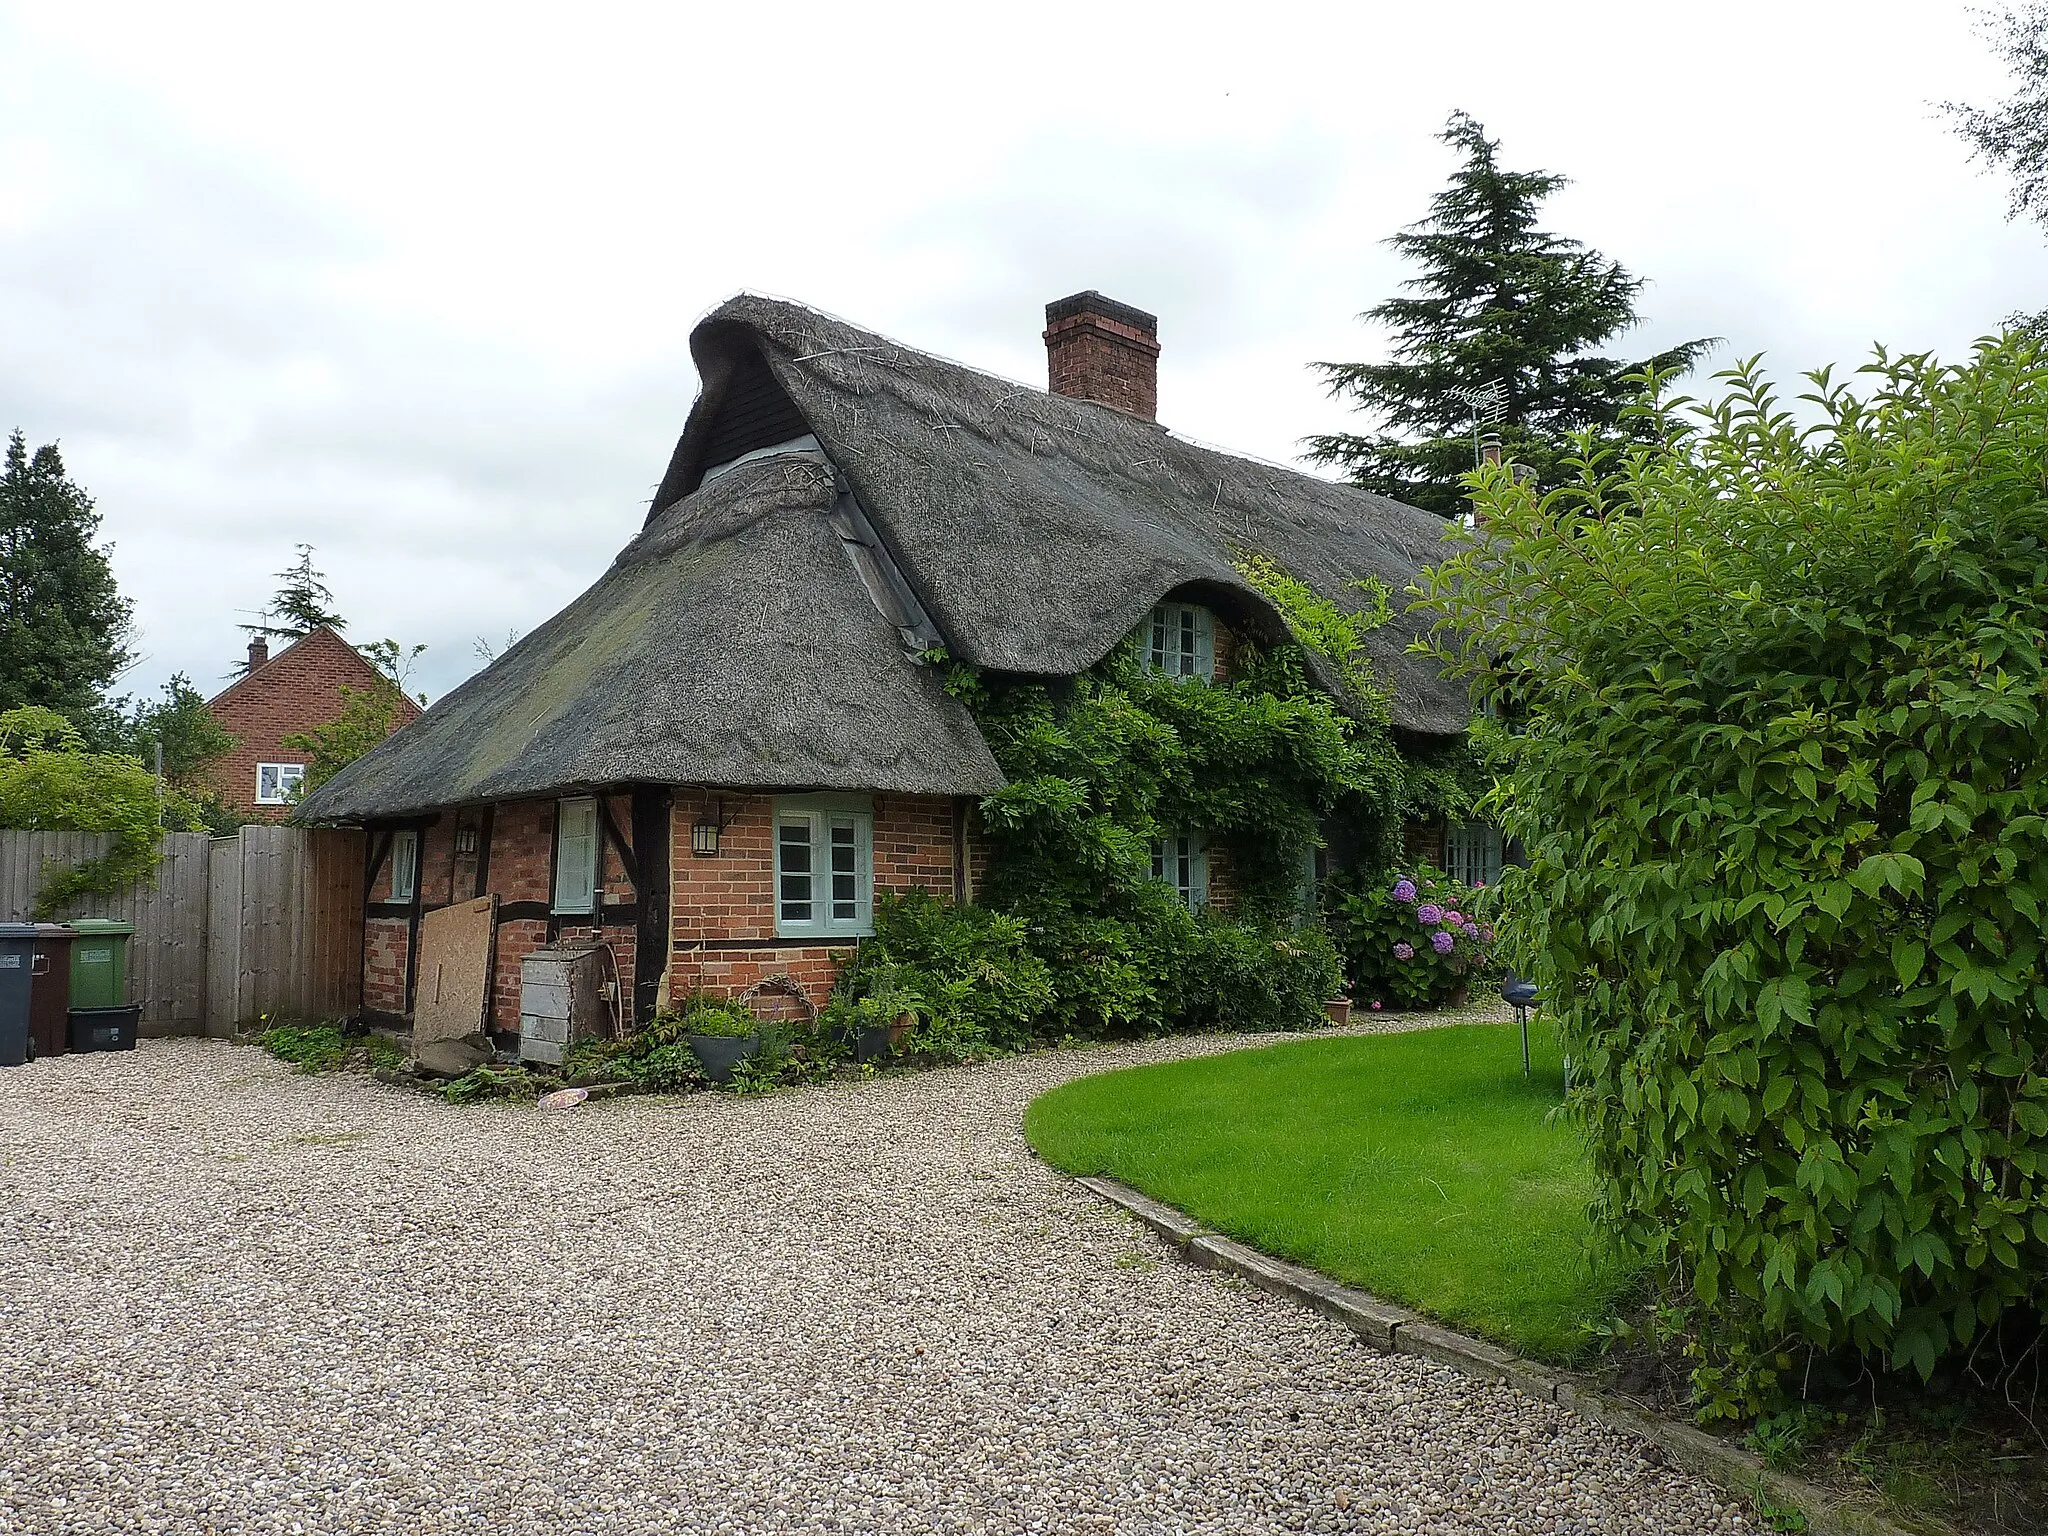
101	1019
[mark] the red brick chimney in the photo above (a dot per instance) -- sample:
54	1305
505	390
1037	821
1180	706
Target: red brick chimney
1097	349
259	652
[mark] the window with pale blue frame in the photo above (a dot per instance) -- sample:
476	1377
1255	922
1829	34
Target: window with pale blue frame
1474	853
1181	860
824	867
1180	641
405	864
576	851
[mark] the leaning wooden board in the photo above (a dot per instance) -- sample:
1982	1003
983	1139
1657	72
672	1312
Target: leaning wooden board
454	978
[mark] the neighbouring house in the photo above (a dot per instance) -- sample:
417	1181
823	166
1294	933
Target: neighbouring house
711	761
284	695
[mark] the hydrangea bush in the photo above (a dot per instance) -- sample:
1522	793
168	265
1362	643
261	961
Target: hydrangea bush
1412	942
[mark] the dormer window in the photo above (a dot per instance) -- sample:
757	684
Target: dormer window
1181	641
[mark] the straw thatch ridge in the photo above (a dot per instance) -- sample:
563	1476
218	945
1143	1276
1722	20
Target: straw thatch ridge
1038	530
731	644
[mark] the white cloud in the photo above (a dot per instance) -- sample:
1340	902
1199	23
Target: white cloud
415	284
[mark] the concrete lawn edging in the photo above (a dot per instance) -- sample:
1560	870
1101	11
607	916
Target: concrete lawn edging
1394	1329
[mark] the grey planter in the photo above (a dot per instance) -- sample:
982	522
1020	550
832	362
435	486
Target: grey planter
721	1054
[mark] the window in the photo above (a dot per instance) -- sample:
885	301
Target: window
576	857
1182	861
405	864
824	867
1473	853
278	783
1181	641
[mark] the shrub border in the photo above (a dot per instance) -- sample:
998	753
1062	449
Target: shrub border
1396	1330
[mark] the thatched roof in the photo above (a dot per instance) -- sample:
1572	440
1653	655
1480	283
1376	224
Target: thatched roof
760	631
1039	530
731	644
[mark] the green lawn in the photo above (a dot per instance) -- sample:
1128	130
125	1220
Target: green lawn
1418	1166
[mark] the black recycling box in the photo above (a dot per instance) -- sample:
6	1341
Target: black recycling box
104	1029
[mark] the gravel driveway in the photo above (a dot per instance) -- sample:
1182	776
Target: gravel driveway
235	1299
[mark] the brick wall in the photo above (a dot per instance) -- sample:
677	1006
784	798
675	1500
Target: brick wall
1422	842
294	691
521	871
723	914
384	940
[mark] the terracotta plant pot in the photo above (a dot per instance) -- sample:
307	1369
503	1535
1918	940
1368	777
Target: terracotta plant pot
1339	1010
900	1028
1460	996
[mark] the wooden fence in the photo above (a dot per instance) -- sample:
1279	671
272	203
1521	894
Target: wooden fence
268	921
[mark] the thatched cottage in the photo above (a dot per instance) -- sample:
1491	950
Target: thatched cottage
713	758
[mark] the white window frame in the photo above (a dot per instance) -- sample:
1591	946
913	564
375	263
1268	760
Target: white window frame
577	849
1180	860
1474	852
286	776
1179	641
821	817
405	864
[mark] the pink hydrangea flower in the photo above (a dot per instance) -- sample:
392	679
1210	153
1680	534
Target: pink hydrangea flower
1455	918
1404	951
1377	1005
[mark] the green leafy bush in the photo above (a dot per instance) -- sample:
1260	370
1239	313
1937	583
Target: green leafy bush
967	973
1784	789
708	1016
1415	940
310	1048
1250	976
50	782
329	1047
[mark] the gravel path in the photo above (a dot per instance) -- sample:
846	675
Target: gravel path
233	1299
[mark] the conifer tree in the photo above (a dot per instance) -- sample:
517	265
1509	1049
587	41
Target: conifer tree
302	603
1501	308
64	625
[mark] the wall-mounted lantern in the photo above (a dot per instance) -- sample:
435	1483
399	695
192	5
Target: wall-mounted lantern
705	834
465	840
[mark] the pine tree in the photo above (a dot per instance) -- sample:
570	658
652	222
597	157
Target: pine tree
64	625
1502	306
301	604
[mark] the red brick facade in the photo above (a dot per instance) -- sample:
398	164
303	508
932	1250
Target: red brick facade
293	691
721	910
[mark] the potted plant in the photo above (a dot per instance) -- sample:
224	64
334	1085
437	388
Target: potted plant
721	1036
880	1021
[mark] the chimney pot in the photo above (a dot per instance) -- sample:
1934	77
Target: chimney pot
259	652
1097	349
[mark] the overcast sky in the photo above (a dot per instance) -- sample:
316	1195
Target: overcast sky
415	284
